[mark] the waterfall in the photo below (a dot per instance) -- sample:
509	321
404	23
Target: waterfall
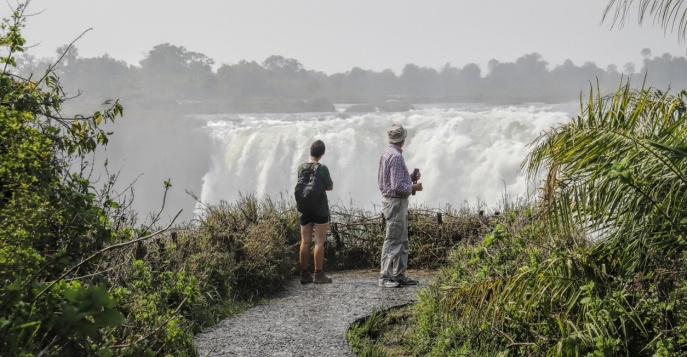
468	154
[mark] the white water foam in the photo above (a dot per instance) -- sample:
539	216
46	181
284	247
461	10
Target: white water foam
468	154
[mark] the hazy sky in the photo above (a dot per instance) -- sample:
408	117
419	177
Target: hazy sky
335	36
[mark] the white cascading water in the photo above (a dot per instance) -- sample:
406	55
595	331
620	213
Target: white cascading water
467	154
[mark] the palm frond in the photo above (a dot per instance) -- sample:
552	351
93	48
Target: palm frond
666	13
617	171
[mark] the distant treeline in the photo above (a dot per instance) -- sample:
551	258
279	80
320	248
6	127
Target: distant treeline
173	76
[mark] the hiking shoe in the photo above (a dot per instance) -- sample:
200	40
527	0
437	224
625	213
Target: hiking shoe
389	284
406	281
306	277
320	278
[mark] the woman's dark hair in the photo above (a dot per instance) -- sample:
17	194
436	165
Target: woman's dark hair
317	148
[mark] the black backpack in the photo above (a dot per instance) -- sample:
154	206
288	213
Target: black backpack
309	190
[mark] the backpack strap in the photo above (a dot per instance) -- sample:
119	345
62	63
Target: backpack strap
316	166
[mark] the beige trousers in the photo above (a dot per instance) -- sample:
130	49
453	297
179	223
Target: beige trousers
394	260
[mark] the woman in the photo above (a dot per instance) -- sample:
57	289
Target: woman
316	222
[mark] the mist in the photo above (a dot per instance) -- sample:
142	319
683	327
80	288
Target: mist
172	95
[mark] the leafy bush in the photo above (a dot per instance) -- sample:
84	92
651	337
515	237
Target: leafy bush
239	252
78	278
597	267
52	224
453	313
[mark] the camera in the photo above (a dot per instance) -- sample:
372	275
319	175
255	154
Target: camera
413	177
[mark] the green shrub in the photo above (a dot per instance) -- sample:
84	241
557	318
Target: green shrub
597	267
52	223
451	316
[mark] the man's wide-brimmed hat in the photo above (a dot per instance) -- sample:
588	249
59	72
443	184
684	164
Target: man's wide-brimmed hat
397	133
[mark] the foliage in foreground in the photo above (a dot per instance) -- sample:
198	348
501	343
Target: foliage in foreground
382	333
597	268
77	276
52	222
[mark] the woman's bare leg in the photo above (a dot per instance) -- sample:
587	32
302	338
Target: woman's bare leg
306	240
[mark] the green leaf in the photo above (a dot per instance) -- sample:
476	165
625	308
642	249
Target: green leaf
75	295
109	318
488	240
678	152
100	297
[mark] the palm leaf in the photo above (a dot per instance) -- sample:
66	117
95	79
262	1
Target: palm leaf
666	13
616	171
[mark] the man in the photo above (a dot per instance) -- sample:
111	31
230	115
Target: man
396	185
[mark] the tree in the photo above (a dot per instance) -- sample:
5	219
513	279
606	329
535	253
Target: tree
172	72
283	66
493	63
418	80
28	63
242	80
166	58
98	77
52	223
518	81
68	53
448	80
665	71
470	82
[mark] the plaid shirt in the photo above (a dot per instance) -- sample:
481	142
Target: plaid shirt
393	176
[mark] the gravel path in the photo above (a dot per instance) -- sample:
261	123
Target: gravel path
306	320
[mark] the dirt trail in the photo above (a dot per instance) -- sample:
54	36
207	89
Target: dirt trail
306	320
